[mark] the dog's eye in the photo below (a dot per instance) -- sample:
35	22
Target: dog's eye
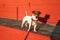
36	17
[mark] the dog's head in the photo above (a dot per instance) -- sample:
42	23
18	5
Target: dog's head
36	13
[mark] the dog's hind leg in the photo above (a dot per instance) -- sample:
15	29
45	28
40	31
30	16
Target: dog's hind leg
22	23
26	23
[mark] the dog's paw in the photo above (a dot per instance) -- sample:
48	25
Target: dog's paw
28	29
26	25
21	26
34	30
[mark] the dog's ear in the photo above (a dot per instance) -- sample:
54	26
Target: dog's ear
33	11
38	12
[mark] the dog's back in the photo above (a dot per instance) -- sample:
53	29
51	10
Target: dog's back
27	18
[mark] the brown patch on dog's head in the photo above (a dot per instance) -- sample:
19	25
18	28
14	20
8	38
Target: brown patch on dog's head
36	13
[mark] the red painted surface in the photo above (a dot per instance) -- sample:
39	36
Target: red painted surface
14	34
51	7
8	9
11	34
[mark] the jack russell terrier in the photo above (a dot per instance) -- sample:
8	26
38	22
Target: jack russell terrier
31	20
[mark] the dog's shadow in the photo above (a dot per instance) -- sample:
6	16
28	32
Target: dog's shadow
44	19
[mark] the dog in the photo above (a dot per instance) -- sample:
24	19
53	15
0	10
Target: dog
31	20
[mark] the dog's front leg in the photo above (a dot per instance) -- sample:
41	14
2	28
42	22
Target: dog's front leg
29	26
35	27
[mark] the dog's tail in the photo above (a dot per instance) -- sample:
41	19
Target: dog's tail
25	13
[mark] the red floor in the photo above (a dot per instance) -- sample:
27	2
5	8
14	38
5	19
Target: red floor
14	34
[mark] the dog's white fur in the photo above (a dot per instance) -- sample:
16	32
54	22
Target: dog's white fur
30	21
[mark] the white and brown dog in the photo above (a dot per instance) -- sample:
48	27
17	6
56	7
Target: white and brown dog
31	20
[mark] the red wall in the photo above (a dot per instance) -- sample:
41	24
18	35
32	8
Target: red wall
8	8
